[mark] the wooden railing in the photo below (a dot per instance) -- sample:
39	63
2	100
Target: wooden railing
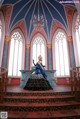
75	79
3	82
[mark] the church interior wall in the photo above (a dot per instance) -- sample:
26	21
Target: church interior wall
27	47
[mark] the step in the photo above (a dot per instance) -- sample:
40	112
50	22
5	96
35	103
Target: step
39	106
39	93
38	99
62	114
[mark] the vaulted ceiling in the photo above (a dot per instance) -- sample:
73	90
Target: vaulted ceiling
33	11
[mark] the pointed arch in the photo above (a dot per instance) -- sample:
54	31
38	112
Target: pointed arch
16	53
38	47
60	53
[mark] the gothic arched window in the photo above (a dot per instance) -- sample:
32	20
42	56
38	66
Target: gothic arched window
2	35
77	41
0	30
15	55
0	40
38	48
61	55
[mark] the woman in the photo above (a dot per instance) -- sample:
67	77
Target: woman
39	68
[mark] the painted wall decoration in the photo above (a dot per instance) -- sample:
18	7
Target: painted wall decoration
37	11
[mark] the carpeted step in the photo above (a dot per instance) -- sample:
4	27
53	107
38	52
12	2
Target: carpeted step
39	106
38	99
40	93
61	114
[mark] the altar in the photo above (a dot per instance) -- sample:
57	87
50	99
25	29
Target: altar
32	81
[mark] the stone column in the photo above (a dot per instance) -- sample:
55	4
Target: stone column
71	50
5	51
27	56
49	46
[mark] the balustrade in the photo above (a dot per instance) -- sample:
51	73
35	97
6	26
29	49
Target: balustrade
3	82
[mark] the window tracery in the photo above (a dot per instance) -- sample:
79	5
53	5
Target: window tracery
61	55
15	55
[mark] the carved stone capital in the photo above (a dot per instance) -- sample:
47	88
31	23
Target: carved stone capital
49	45
69	38
27	46
7	38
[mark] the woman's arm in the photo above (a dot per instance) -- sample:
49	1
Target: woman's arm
43	65
34	63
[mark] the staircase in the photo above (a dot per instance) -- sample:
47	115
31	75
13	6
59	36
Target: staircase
41	104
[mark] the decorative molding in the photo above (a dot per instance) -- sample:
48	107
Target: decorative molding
69	38
49	45
27	46
7	38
